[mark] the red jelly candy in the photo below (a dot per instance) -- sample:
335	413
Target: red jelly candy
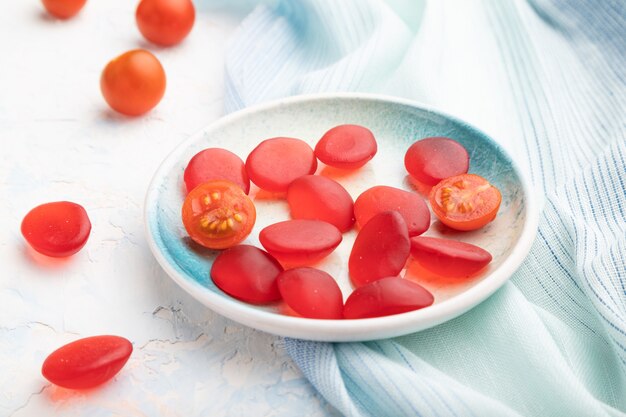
346	147
449	258
431	160
87	362
216	164
381	198
380	250
57	229
247	273
311	293
320	198
386	297
276	162
300	242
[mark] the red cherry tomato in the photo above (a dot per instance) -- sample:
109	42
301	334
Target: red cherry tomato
165	22
88	362
311	293
133	83
300	242
381	198
465	202
448	258
276	162
218	214
346	147
216	164
57	229
247	273
380	250
63	9
386	297
320	198
431	160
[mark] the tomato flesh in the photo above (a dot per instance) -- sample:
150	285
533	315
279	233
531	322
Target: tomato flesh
386	297
57	229
216	164
300	242
276	162
465	202
449	258
320	198
218	214
133	83
346	147
311	293
433	159
380	249
63	9
381	198
88	362
165	22
248	274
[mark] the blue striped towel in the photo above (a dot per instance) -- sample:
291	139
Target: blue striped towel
547	79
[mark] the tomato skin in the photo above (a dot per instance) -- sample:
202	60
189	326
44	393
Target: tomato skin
216	164
247	273
316	197
431	160
465	202
449	258
133	83
346	147
386	297
57	229
218	214
88	362
276	162
380	249
165	22
381	198
300	242
311	293
63	9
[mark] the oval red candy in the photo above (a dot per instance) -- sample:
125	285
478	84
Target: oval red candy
311	293
216	164
433	159
346	147
449	258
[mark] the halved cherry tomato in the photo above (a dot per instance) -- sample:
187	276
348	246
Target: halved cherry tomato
216	164
57	229
133	83
311	293
465	202
88	362
300	242
276	162
449	258
320	198
433	159
218	214
381	198
385	297
247	273
165	22
346	147
380	250
63	9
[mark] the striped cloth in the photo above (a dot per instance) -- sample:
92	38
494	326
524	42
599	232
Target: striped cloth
547	79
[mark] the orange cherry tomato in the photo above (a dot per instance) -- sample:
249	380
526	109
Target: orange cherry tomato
133	83
165	22
218	214
465	202
63	9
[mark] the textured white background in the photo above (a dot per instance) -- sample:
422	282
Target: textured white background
59	141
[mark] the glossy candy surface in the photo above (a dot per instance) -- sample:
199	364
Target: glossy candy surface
311	293
449	258
433	159
165	22
63	9
346	147
216	164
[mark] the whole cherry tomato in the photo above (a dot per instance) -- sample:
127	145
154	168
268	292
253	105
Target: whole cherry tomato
133	83
216	164
165	22
311	293
448	258
218	214
433	159
63	9
346	147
